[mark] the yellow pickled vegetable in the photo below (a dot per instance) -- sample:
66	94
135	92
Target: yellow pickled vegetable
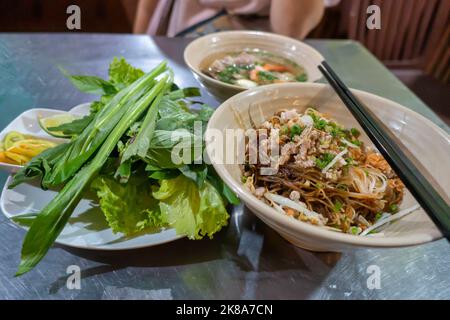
30	147
5	159
18	148
18	158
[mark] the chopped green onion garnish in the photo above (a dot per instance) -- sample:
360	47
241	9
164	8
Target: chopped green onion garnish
296	130
337	206
355	230
355	132
324	160
302	77
393	208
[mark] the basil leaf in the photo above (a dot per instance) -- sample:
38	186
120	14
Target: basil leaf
75	127
90	84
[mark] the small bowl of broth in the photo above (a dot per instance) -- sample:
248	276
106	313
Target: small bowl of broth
227	63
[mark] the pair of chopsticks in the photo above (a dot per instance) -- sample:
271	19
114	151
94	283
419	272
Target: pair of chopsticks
395	154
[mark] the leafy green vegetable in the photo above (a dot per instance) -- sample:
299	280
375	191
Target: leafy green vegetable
192	211
96	106
140	145
205	113
124	149
90	84
123	173
99	129
52	219
130	207
39	166
221	187
122	74
173	116
162	174
161	153
184	93
75	127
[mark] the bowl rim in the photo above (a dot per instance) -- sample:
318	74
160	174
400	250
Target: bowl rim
188	48
304	228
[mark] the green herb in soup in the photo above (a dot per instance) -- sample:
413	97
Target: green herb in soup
254	68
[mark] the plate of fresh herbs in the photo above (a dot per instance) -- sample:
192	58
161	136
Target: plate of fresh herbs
114	183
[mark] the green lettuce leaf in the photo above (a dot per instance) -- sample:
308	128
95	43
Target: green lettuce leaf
192	211
129	208
122	74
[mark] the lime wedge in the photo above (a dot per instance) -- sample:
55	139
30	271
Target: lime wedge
55	121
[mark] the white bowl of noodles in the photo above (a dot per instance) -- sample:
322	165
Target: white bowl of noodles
426	141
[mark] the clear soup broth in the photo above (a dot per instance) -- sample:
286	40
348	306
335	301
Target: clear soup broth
252	68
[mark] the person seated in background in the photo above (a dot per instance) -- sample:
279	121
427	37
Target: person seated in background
294	18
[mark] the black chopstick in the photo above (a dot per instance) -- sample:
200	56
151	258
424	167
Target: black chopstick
402	163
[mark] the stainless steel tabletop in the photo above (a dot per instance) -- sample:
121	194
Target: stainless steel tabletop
247	259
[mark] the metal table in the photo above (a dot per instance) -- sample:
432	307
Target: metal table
247	260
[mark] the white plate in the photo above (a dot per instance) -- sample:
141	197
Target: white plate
87	228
